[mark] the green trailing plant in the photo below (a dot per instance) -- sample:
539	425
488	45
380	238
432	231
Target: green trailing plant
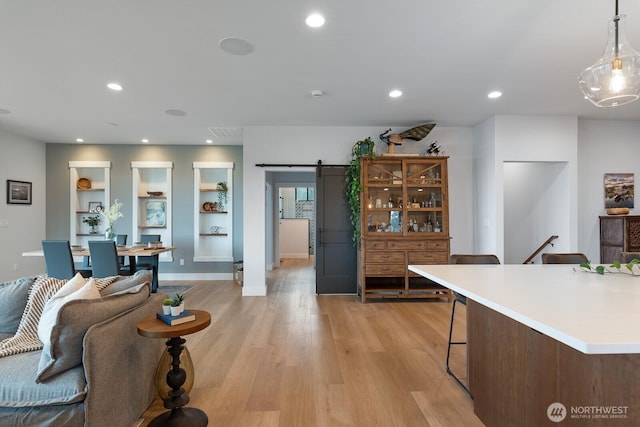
616	268
364	147
222	195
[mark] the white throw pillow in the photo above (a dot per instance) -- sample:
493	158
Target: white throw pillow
73	290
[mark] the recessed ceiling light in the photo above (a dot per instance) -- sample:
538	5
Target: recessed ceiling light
209	141
114	86
145	141
174	112
395	93
79	140
3	111
315	20
235	46
495	94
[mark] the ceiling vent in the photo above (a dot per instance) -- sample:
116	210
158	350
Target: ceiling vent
227	135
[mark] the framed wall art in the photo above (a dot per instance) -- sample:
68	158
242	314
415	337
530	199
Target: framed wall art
618	190
18	192
156	214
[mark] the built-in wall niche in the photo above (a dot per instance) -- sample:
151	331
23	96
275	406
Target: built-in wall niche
213	212
89	189
152	202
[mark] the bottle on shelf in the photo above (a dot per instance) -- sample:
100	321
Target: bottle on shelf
429	224
437	228
432	200
390	202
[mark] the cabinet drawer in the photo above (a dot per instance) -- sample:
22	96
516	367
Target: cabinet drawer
410	245
391	270
387	257
375	244
438	245
438	257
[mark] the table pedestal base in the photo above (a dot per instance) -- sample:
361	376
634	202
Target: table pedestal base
181	417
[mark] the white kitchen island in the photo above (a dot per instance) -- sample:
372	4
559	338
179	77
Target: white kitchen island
545	334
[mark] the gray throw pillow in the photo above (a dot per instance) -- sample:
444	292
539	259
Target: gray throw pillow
13	300
74	318
126	282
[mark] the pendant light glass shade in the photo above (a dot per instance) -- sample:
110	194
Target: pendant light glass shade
615	78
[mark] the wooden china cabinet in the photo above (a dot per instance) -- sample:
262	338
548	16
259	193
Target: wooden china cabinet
405	220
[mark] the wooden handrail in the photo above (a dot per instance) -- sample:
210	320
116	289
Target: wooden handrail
537	251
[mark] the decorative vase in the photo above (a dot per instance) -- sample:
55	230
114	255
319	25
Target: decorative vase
110	233
93	230
175	311
166	309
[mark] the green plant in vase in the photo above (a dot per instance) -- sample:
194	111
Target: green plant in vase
222	195
363	147
92	221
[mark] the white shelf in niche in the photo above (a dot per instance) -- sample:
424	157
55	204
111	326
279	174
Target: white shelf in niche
213	229
153	214
99	175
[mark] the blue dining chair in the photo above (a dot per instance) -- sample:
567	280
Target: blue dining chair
121	240
59	261
146	262
104	259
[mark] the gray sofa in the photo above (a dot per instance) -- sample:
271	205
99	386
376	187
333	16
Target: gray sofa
111	380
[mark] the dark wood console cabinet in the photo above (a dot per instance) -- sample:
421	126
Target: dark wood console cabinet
618	234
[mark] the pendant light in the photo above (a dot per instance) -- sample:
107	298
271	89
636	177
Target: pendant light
615	78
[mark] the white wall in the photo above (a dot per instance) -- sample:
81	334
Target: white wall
606	146
522	139
332	145
22	160
294	238
534	200
485	189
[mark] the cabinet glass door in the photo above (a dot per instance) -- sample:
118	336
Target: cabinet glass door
383	196
425	197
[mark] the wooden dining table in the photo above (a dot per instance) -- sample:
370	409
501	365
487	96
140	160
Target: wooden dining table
133	252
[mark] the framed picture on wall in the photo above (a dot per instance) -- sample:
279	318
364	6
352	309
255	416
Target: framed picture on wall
156	214
618	190
18	192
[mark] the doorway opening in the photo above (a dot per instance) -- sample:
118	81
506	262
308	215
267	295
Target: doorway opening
290	205
536	206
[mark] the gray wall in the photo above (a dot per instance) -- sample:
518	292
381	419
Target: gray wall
21	226
121	156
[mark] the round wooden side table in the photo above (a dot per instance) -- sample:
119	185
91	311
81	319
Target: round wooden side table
152	327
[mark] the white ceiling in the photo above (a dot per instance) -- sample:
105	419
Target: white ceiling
445	55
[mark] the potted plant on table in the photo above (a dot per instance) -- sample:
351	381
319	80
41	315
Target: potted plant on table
166	306
177	304
111	215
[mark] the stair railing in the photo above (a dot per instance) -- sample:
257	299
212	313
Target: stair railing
548	242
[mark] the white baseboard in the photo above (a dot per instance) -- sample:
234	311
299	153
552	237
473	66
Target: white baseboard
195	276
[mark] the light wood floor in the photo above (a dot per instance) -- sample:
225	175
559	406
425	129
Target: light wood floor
297	359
